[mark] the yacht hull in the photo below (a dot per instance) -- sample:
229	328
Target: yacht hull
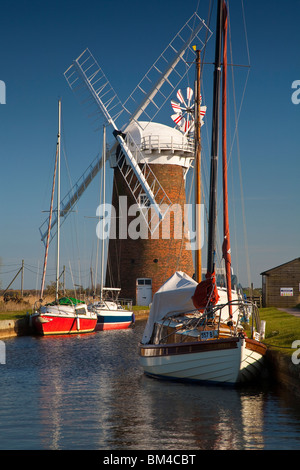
114	321
63	319
222	361
51	324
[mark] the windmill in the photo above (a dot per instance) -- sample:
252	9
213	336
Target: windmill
184	115
150	160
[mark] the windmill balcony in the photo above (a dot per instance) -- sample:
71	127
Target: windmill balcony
156	143
167	144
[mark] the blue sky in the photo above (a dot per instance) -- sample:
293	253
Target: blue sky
39	40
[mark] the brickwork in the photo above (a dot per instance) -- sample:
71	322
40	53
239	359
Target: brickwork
155	257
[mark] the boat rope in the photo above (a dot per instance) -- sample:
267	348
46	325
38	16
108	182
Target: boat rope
236	136
245	30
235	140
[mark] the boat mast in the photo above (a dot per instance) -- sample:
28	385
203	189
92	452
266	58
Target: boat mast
58	200
103	205
198	270
226	241
215	146
49	227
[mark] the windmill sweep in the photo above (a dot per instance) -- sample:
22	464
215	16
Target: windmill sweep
150	160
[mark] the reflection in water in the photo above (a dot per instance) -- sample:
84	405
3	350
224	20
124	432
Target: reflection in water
89	392
252	413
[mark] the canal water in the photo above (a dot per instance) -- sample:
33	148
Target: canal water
88	392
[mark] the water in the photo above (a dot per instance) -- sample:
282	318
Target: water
89	392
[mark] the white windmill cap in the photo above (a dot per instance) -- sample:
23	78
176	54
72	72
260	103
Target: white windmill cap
160	143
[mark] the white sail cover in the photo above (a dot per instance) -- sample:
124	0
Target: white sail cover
174	296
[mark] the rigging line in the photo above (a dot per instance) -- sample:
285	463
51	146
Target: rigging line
236	118
30	265
245	29
30	270
49	172
191	187
72	278
116	247
16	264
84	272
233	86
234	225
204	167
233	210
63	141
98	240
239	165
205	170
209	14
172	256
8	272
183	230
102	200
206	34
228	65
68	171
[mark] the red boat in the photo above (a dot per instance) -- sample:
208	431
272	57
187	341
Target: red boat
67	316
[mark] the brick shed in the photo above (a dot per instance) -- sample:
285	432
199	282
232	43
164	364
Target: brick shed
281	285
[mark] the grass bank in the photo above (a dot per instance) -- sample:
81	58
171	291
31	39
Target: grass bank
15	313
282	329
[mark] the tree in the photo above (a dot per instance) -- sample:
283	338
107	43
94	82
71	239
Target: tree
51	288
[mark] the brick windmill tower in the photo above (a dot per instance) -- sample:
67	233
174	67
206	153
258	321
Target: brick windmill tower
149	250
150	162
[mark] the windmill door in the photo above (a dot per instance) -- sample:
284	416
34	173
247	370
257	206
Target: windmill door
143	291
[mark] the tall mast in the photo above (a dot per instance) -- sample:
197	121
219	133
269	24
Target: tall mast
103	205
49	227
215	146
198	270
58	199
226	241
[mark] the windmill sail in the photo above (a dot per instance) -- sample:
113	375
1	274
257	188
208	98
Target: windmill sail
86	73
71	198
86	78
172	66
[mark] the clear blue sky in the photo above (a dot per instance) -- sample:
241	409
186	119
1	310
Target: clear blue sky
39	40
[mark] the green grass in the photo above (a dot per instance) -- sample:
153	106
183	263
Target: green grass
13	315
281	329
